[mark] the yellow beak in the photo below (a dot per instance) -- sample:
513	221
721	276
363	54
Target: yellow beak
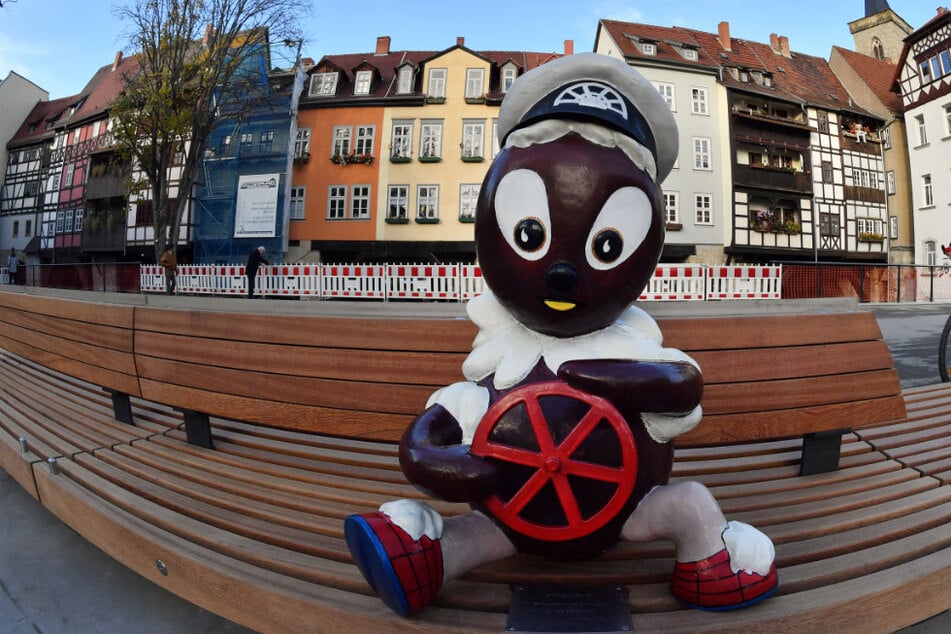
559	306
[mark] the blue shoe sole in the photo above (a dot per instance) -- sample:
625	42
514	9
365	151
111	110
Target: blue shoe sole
371	558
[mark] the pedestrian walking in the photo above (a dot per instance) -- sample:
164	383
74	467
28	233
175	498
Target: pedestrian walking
13	262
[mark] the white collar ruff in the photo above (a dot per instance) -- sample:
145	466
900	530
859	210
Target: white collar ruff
510	350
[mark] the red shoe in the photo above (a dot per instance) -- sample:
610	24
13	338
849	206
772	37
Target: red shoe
710	584
405	573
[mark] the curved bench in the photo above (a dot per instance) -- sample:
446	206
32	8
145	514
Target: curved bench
252	529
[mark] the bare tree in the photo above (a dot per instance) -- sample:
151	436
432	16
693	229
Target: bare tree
198	65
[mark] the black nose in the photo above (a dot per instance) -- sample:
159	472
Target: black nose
562	277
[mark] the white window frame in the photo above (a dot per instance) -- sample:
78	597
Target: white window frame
397	202
436	87
360	202
298	202
302	143
495	138
401	144
890	182
362	81
323	84
931	253
468	199
893	228
691	55
649	48
475	83
342	141
703	209
365	138
473	139
337	202
668	91
672	207
922	129
702	153
927	190
509	75
68	176
427	202
699	98
947	119
404	85
430	139
886	134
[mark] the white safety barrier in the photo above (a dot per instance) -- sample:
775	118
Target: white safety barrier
744	282
676	282
449	282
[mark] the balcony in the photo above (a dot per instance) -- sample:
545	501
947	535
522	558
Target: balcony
772	178
107	185
865	194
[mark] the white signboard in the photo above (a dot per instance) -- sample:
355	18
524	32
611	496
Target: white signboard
256	213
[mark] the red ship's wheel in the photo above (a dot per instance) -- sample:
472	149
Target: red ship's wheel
556	464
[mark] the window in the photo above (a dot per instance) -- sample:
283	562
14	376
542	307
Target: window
78	222
475	79
68	177
648	48
893	228
495	138
266	141
927	190
704	208
878	50
699	100
360	202
468	197
302	143
922	131
430	140
323	84
509	73
947	120
946	62
672	207
437	83
337	202
361	83
666	91
342	136
690	54
178	154
60	219
28	229
822	121
68	221
890	182
925	68
829	225
402	140
365	135
405	84
246	140
826	171
701	153
886	137
32	188
397	202
298	196
16	228
473	139
931	254
427	200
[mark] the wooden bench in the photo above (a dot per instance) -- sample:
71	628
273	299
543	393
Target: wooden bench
252	529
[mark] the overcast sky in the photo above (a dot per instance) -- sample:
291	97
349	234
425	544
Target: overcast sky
59	44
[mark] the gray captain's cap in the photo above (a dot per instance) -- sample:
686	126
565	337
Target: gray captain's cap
598	89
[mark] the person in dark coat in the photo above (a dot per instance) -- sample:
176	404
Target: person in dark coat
255	260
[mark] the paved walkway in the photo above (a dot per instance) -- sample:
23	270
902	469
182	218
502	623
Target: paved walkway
52	581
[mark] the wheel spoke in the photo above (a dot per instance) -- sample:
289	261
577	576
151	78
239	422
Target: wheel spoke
540	426
567	498
595	471
580	432
528	492
507	453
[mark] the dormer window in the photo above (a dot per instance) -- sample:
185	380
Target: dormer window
767	80
361	83
323	84
509	73
648	48
690	54
405	83
744	75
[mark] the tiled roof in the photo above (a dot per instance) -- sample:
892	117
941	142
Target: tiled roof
42	112
799	78
107	84
877	75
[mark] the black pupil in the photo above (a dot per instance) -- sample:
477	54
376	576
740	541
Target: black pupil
530	234
608	245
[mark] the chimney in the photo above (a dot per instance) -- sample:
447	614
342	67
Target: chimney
208	32
383	45
724	36
460	41
118	60
774	42
569	47
784	47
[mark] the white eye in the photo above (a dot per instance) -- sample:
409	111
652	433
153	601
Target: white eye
521	210
619	229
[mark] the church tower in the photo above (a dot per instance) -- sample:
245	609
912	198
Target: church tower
880	33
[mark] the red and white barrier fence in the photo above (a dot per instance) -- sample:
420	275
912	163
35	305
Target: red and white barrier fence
451	282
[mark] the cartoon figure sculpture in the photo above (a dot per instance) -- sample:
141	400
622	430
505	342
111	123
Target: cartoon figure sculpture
559	440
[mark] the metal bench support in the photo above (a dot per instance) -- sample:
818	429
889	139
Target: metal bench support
121	407
198	429
820	451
